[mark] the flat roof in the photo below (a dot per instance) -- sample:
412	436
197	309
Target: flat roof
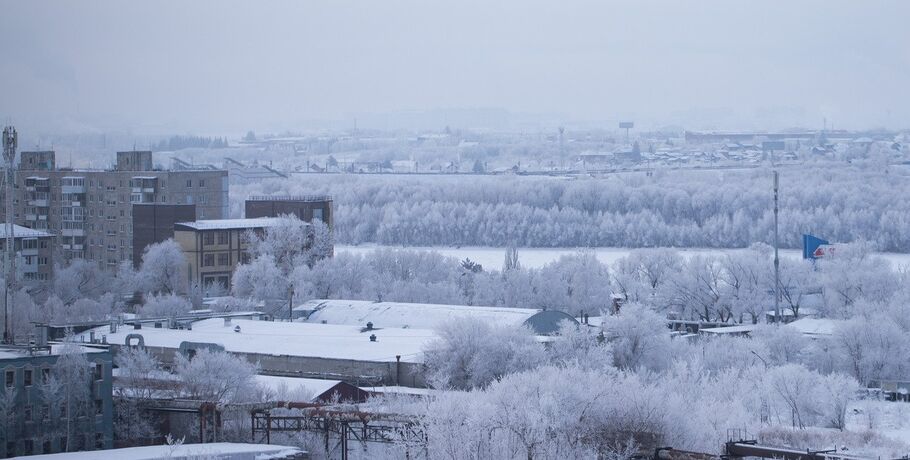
211	450
230	224
408	315
23	232
741	329
279	338
56	349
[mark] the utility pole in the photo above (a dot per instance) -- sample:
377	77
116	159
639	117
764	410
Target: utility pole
777	317
9	266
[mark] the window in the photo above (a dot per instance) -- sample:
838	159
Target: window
224	259
223	237
27	412
208	238
28	446
99	407
208	260
202	182
28	377
97	370
189	183
10	378
45	375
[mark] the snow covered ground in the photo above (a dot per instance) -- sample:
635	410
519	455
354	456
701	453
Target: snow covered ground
492	257
220	450
891	419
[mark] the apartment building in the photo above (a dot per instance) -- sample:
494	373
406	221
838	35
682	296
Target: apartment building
36	248
35	421
213	248
90	211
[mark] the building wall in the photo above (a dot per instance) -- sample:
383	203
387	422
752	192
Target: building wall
212	255
91	210
154	223
306	209
38	255
356	372
30	431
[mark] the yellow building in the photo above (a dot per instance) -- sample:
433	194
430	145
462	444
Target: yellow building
213	248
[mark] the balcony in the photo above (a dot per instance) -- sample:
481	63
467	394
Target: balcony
72	189
41	203
72	232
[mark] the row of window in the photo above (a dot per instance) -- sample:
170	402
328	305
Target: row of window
208	238
81	442
224	260
44	374
80	182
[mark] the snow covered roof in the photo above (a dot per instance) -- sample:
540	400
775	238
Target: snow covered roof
741	329
23	232
407	315
230	224
291	339
815	327
56	349
221	450
314	387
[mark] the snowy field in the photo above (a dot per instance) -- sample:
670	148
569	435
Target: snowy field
492	257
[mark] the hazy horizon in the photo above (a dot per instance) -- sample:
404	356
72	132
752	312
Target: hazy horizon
224	67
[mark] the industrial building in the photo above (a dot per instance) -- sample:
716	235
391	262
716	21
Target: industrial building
36	248
90	211
357	355
425	316
35	421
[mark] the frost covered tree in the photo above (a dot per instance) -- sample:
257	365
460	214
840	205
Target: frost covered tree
70	388
165	305
139	371
638	337
80	279
215	376
470	353
260	279
163	269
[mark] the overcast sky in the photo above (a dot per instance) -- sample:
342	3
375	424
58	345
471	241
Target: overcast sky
225	66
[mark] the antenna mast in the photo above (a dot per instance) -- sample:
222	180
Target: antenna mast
777	317
9	266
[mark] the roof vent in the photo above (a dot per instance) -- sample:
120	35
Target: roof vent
372	337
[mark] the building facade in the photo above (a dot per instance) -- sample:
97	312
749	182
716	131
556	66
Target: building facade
306	208
37	420
36	251
154	223
214	248
90	211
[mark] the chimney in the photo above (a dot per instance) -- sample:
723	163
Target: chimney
370	326
372	337
227	322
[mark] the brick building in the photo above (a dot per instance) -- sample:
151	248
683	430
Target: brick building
36	248
306	208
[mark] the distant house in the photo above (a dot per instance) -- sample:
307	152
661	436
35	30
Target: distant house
788	316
